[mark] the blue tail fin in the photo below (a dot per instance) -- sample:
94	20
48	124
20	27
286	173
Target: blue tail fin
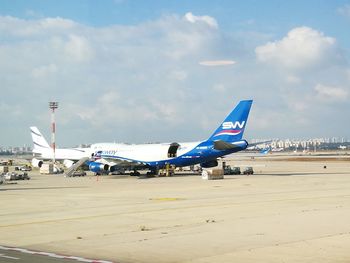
233	126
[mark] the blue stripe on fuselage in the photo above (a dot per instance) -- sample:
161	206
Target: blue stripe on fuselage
203	152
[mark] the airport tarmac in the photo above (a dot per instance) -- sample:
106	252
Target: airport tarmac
294	209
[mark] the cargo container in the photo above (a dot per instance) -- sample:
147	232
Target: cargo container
46	168
213	174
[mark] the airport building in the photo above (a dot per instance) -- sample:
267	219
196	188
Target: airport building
315	144
13	150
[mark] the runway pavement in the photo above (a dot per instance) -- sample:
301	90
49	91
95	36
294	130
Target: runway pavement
289	211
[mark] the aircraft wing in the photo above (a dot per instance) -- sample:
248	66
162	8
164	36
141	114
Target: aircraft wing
120	162
258	143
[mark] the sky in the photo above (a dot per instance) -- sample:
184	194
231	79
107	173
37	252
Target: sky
133	71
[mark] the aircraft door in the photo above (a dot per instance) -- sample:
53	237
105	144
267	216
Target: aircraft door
172	151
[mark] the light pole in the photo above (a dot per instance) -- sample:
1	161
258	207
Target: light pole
53	105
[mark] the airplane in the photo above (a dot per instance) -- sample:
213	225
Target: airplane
226	139
110	157
42	151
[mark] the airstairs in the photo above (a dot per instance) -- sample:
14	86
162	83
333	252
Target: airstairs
75	166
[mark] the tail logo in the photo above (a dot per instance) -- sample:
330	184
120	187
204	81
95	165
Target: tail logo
230	128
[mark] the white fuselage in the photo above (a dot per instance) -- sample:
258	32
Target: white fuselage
63	154
141	152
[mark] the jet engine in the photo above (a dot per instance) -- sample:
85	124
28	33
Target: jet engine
209	164
37	163
98	167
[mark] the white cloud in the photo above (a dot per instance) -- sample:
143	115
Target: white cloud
179	75
330	93
344	10
220	88
302	48
210	21
143	82
78	48
217	62
12	111
13	26
44	71
293	79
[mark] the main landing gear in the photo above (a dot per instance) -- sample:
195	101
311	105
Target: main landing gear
135	173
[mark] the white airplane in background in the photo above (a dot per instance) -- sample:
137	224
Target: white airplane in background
109	157
42	151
